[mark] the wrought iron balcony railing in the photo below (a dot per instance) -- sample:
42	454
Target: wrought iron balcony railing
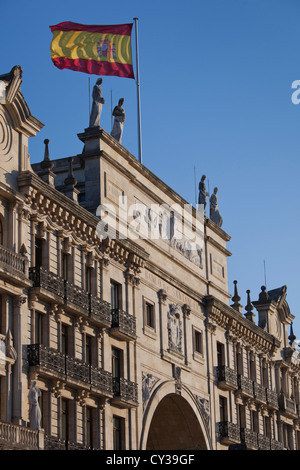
272	399
72	295
53	362
123	324
250	438
259	392
229	432
47	280
125	392
227	378
245	385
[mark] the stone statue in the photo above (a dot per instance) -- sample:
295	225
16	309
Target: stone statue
98	100
214	211
34	407
202	192
119	115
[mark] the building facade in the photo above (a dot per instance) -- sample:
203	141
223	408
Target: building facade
129	341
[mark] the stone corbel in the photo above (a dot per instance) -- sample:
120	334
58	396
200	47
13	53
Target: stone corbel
162	296
82	397
186	309
57	388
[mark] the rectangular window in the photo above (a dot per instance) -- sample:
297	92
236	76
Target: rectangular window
64	419
65	266
38	252
149	315
220	354
223	409
117	363
198	342
88	349
39	328
89	427
118	433
65	339
88	279
115	295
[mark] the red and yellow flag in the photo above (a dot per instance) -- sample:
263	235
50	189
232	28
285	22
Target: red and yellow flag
98	50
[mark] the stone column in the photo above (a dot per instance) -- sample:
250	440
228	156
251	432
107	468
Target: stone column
187	332
19	388
162	297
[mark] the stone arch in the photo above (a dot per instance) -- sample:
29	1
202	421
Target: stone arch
174	421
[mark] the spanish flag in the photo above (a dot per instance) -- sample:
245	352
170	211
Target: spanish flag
98	50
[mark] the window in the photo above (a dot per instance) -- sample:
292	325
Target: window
220	354
38	252
88	279
89	427
65	266
39	328
88	349
117	362
252	374
65	339
198	342
115	295
223	409
149	315
254	421
118	433
64	419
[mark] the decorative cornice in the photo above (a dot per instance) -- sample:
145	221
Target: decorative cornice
238	326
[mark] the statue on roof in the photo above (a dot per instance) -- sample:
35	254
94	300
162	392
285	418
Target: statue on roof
98	100
202	198
214	211
119	115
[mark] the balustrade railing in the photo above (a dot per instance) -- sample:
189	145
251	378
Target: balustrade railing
245	385
13	436
10	259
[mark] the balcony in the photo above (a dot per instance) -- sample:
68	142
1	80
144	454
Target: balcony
55	443
14	437
229	433
52	363
287	406
47	282
125	393
123	325
272	399
13	266
245	386
250	438
227	378
264	442
259	392
50	286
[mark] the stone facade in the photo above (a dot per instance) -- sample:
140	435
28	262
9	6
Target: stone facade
133	341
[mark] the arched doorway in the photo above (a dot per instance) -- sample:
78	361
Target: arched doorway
175	426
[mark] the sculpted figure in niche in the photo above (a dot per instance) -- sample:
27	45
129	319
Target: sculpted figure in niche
34	407
119	115
214	211
98	100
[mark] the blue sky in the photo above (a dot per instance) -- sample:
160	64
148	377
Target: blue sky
216	79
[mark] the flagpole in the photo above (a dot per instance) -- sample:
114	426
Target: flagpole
138	92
